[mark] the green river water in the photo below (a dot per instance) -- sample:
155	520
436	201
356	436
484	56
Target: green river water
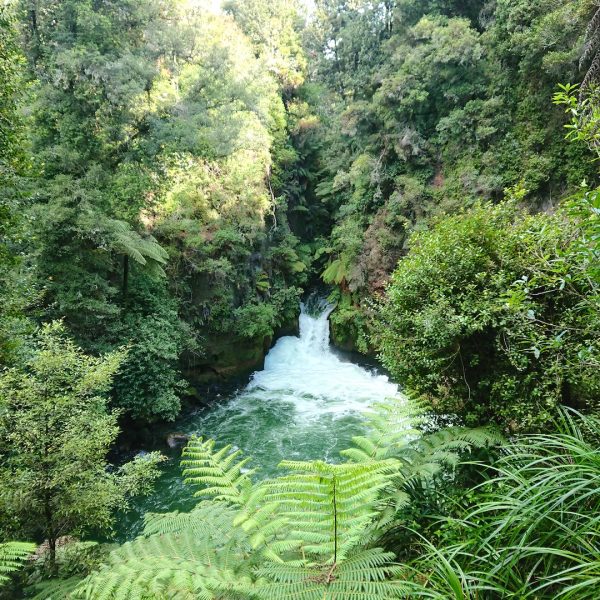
306	404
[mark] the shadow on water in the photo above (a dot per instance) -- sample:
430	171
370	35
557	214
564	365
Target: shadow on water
307	403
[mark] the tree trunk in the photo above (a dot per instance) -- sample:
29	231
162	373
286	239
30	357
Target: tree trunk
51	536
52	566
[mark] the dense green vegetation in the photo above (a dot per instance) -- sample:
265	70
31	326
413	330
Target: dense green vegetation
494	305
173	177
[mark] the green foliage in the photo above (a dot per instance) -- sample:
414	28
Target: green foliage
532	532
308	534
55	433
584	114
74	560
150	370
16	289
171	174
274	29
12	556
228	475
443	103
348	323
160	149
255	320
492	316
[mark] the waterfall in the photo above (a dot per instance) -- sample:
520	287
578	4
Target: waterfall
314	331
306	404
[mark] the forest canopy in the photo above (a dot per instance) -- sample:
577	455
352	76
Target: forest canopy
176	176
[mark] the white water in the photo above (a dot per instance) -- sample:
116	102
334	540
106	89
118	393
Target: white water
304	372
306	404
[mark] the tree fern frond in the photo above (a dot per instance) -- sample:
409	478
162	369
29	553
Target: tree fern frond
221	474
56	589
182	565
391	425
125	240
12	557
206	519
328	507
364	575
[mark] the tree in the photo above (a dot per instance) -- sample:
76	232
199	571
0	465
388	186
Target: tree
274	28
493	314
55	432
445	106
15	286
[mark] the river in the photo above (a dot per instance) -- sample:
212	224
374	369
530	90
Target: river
307	403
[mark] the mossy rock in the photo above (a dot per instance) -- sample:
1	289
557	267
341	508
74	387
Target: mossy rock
225	358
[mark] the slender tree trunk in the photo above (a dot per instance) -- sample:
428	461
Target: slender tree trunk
35	36
47	499
335	532
52	566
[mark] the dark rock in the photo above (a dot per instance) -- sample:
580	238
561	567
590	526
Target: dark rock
177	439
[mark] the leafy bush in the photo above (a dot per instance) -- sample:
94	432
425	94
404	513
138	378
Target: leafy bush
493	315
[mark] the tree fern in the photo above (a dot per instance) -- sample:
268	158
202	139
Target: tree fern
220	474
306	534
328	507
124	240
295	533
336	272
12	557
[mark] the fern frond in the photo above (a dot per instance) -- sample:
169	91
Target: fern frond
364	575
328	507
12	557
182	565
390	425
336	272
125	240
221	474
207	519
56	589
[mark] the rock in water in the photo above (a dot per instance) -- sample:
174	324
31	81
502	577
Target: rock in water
177	439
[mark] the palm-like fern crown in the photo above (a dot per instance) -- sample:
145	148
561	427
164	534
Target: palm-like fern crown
309	534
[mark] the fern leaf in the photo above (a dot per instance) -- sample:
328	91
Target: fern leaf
223	476
56	589
328	507
12	556
364	575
